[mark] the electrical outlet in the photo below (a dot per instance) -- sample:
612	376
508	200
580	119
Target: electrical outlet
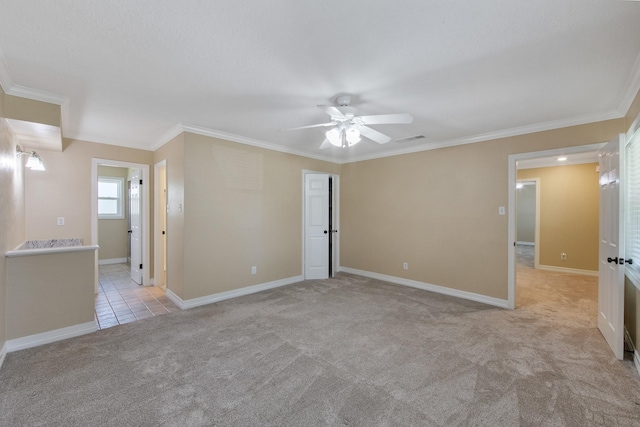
254	269
563	256
405	265
60	220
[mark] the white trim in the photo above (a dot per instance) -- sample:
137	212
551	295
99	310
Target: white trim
110	261
497	302
506	133
3	353
158	262
51	336
119	181
146	211
168	136
199	130
54	250
567	270
633	86
536	230
210	299
6	82
636	356
511	181
38	95
525	243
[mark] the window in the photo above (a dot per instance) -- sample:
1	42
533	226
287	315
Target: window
632	214
110	197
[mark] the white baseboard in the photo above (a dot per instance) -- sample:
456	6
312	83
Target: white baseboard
566	270
112	261
502	303
51	336
636	356
3	353
525	243
210	299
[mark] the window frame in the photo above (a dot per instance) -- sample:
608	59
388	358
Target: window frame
119	199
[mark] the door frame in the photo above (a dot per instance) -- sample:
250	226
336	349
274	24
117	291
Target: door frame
536	231
144	169
157	223
512	180
335	194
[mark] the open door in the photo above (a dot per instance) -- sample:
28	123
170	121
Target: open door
611	257
135	215
316	223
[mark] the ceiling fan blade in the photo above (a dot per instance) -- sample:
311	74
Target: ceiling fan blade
374	135
382	119
332	111
310	126
325	144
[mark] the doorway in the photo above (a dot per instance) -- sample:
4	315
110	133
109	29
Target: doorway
583	154
142	177
320	220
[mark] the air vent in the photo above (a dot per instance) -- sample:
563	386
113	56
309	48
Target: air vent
410	138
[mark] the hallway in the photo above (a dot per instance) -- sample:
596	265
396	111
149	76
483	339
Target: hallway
120	300
571	298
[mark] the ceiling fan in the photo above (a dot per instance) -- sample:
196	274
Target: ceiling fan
347	128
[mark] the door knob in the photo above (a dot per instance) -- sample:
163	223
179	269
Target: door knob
628	261
325	231
613	260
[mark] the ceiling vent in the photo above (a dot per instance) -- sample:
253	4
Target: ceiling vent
411	138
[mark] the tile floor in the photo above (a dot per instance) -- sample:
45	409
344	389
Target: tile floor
120	300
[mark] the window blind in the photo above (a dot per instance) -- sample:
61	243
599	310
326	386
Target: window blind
632	214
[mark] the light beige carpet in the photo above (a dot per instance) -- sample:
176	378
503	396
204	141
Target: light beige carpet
345	351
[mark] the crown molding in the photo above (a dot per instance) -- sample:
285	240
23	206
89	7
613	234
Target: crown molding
168	136
506	133
632	88
37	95
253	142
6	82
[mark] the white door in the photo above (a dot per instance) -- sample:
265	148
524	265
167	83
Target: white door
135	213
611	258
316	223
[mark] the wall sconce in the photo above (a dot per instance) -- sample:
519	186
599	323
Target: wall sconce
34	163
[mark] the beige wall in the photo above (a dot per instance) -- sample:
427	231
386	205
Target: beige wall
64	190
112	233
242	207
29	110
569	212
11	207
526	214
438	209
49	291
173	153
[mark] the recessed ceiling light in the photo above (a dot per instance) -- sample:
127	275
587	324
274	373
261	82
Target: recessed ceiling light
562	159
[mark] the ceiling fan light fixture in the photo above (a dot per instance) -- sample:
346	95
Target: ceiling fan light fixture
335	136
353	136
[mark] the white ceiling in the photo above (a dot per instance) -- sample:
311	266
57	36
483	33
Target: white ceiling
134	73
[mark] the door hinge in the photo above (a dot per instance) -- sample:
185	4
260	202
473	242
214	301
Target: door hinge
140	182
140	266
